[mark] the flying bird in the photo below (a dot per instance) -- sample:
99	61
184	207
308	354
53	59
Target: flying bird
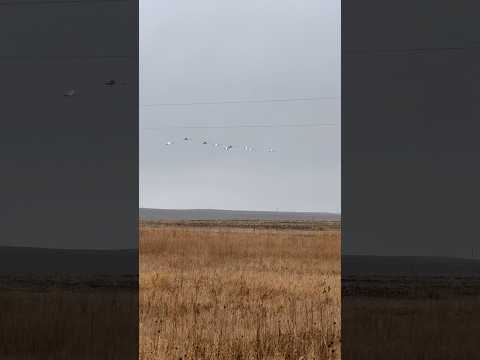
229	147
110	82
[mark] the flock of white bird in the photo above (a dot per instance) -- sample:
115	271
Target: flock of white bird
226	147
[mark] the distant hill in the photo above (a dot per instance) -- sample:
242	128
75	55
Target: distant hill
211	214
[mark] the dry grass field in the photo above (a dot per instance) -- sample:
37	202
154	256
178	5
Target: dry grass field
234	293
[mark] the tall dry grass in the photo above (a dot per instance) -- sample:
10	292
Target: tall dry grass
233	294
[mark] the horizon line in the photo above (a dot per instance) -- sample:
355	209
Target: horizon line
242	210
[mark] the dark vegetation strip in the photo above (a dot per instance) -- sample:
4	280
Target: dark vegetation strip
326	225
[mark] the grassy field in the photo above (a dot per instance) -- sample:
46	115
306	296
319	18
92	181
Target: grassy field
225	292
249	225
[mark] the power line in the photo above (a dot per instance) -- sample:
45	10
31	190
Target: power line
160	127
251	101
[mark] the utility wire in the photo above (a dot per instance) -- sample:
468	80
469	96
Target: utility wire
160	127
252	101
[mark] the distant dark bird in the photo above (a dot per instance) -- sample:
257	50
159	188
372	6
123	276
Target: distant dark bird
187	139
69	93
110	82
205	143
229	147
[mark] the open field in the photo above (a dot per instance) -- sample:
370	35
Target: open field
230	292
248	225
225	215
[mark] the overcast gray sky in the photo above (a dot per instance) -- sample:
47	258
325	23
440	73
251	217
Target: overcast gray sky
217	50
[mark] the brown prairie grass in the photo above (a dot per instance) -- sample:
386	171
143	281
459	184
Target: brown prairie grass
231	294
